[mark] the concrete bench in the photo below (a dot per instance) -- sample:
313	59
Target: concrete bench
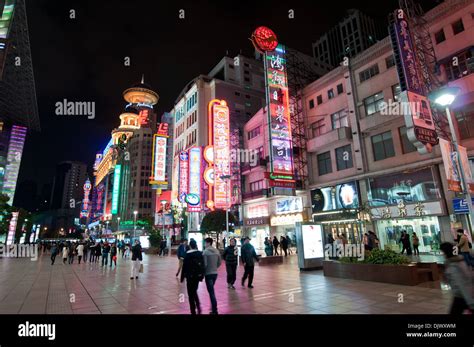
273	259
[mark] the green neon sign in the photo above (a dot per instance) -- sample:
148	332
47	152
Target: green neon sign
116	188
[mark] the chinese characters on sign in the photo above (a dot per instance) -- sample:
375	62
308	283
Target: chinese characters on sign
183	176
194	190
85	203
220	137
159	158
116	188
279	112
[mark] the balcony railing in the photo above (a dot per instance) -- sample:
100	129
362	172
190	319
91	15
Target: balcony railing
245	168
328	138
255	194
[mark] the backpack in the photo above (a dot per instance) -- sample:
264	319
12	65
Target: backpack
196	267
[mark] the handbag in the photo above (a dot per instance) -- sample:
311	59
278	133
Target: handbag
141	268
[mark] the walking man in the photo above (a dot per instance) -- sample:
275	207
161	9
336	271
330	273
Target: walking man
275	245
181	253
54	253
105	253
80	252
136	259
231	256
212	261
193	271
248	257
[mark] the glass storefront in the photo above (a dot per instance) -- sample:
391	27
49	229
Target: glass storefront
257	238
352	231
426	228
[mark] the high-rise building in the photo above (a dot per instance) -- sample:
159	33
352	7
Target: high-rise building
352	35
14	138
67	186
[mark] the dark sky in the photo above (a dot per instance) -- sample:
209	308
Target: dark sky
82	59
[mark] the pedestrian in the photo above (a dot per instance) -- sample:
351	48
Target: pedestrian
113	255
65	254
344	240
136	259
86	250
80	252
416	243
231	254
275	245
98	251
249	256
459	278
338	243
105	253
193	271
284	245
288	239
72	252
92	253
128	247
212	261
54	253
162	247
463	246
268	247
365	241
181	253
402	240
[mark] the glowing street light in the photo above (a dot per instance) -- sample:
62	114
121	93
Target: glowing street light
163	204
445	97
134	224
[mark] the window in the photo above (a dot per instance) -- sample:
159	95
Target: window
373	103
330	93
390	61
368	73
231	66
246	79
382	146
396	90
344	158
254	133
324	163
457	26
465	120
439	36
318	127
246	72
247	96
407	146
463	68
311	104
256	186
237	93
319	99
339	120
340	89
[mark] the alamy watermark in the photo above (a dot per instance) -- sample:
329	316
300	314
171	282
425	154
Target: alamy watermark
400	108
249	156
344	251
75	108
19	251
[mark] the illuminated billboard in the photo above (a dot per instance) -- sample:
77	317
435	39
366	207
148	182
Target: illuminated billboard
85	202
159	159
219	139
15	152
12	228
193	197
116	188
281	151
183	176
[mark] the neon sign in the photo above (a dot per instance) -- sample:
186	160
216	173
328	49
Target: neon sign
116	188
143	117
12	228
194	190
183	176
219	138
264	39
281	153
85	203
159	158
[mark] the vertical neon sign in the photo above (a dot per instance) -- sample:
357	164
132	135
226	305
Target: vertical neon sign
12	228
281	151
194	190
219	138
85	202
116	188
183	176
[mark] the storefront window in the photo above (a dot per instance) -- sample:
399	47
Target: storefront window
426	228
413	186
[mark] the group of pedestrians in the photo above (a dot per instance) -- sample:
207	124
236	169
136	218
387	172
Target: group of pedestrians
271	246
104	252
196	266
406	243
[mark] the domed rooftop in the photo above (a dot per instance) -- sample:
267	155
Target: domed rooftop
141	93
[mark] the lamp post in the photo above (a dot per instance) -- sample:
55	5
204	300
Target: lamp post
134	225
445	97
118	223
226	178
163	203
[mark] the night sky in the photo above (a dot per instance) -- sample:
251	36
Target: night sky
82	59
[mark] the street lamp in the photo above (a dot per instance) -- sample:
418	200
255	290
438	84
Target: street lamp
134	224
118	223
163	203
445	97
226	178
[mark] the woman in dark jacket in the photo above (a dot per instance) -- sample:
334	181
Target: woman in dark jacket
275	245
268	247
193	271
113	255
98	251
230	256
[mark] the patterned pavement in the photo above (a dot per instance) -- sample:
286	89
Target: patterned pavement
36	287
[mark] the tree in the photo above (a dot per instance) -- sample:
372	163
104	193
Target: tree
154	237
215	222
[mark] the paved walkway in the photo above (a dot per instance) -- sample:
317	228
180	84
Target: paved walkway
37	287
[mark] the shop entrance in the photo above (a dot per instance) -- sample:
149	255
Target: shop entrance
352	231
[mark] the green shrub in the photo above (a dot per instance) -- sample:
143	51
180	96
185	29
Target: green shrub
385	256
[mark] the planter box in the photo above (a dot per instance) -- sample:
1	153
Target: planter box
272	259
409	275
151	250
